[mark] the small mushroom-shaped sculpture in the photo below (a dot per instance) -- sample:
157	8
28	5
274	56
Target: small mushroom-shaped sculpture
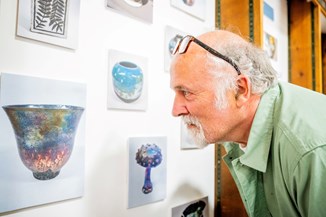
148	156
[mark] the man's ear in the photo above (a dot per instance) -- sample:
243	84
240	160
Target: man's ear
244	90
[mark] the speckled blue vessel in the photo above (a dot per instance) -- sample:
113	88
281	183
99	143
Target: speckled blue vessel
127	81
45	136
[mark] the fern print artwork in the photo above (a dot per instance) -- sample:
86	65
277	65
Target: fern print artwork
49	17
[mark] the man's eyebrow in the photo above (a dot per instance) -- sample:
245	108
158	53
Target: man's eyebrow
180	88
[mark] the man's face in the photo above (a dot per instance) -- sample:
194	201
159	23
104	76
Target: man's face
195	100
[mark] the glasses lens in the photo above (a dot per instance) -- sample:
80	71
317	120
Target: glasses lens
176	47
184	43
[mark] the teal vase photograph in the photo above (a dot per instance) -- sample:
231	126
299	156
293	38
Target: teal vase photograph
127	81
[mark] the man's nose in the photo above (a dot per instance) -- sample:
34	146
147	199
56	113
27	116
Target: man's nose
179	107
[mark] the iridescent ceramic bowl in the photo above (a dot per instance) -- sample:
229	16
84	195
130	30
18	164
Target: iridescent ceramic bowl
45	136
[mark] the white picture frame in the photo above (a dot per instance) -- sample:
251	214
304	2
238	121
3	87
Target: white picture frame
43	29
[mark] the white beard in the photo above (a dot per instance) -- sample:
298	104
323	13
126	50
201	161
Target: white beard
196	131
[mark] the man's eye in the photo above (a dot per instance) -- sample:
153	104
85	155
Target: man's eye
185	92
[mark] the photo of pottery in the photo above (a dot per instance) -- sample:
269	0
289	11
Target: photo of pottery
148	156
193	208
270	46
136	3
147	170
171	37
189	2
42	140
138	9
45	136
195	8
127	81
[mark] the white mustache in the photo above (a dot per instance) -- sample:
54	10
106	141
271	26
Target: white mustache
190	120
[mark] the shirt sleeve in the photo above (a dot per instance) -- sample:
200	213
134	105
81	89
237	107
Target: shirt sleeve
309	183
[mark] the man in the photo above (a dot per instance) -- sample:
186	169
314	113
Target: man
227	92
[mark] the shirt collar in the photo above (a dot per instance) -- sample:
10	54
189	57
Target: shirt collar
256	155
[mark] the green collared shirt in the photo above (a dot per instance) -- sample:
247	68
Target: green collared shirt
283	170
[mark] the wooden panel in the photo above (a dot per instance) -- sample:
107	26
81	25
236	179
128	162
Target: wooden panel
305	45
300	44
317	49
258	22
323	39
235	16
245	18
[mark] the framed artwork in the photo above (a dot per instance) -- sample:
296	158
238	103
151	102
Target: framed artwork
42	141
140	9
194	208
127	81
270	46
196	8
147	170
187	141
172	35
51	21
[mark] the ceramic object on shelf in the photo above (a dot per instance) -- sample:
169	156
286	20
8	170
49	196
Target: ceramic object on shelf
127	81
45	135
148	156
136	3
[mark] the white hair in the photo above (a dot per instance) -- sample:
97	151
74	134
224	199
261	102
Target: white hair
252	62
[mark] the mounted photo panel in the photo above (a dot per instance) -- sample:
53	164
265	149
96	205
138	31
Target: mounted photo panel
147	170
196	8
41	141
139	9
194	208
127	81
50	21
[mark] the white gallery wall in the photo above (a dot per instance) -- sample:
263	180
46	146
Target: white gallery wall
190	173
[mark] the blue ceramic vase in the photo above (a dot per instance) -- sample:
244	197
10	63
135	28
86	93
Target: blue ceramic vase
127	81
45	136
